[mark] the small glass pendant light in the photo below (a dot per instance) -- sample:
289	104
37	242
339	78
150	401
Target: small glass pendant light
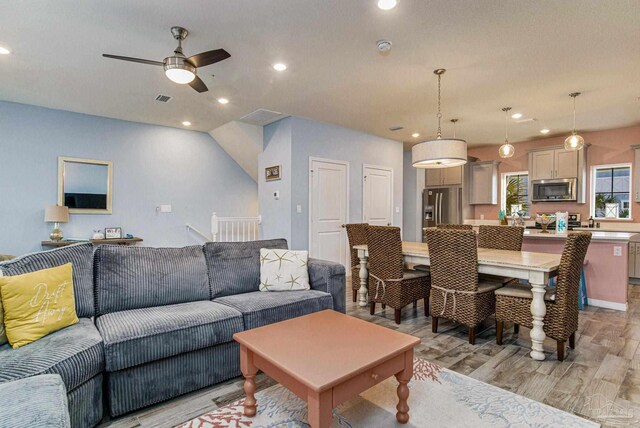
506	150
574	141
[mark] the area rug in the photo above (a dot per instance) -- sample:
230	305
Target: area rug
438	398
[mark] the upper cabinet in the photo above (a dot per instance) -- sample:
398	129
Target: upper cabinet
483	183
444	176
557	163
553	163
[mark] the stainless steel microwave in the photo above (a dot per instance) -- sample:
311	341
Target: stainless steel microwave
559	189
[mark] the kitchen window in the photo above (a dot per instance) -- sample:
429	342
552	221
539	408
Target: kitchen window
611	191
515	191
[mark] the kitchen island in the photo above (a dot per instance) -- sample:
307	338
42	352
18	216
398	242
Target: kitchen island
606	264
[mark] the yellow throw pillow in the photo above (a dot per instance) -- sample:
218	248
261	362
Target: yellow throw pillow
37	303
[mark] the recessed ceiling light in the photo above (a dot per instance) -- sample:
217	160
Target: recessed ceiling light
516	115
387	4
223	101
186	123
545	131
4	51
415	135
279	66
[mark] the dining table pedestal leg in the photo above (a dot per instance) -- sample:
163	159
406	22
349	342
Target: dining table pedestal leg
538	311
364	278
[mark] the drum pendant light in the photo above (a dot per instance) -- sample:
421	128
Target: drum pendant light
439	153
506	150
574	141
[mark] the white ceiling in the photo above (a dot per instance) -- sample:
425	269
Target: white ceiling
525	54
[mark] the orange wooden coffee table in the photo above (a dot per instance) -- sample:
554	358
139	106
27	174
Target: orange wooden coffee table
326	358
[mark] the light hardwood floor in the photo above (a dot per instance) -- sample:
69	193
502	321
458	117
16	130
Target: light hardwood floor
599	380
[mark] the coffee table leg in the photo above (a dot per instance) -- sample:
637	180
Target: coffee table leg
249	371
320	409
403	378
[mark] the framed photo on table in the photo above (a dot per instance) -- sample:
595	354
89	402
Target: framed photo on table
113	233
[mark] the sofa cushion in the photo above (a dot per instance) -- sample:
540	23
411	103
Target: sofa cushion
75	353
39	401
139	336
234	267
141	277
79	255
260	309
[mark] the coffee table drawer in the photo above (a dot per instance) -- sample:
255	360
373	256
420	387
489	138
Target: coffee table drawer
363	381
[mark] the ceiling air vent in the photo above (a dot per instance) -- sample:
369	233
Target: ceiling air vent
262	117
163	98
396	128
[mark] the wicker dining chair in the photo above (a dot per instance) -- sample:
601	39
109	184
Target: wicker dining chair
389	283
457	294
426	268
513	303
357	234
500	238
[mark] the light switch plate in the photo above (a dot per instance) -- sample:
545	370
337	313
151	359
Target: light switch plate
298	209
617	251
165	208
276	195
397	209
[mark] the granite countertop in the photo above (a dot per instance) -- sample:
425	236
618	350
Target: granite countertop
596	235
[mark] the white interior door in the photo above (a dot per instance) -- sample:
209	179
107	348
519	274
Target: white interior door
328	210
377	198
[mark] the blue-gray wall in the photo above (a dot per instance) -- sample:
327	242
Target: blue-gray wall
414	181
152	165
290	142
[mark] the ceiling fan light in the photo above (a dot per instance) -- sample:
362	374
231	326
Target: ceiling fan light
574	142
180	75
439	153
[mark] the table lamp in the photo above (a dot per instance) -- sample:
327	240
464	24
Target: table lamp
56	214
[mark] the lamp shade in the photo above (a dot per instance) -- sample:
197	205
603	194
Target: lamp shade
56	214
439	153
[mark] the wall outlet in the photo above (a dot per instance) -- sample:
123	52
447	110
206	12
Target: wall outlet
164	209
298	209
481	216
617	251
397	209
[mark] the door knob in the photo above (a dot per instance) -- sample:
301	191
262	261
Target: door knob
343	226
388	224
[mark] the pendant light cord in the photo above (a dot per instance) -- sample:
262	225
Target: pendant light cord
506	126
439	113
574	115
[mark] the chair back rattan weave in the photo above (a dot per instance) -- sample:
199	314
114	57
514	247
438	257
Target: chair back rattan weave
385	252
568	283
501	237
453	256
455	226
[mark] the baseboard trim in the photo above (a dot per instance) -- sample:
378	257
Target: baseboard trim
608	305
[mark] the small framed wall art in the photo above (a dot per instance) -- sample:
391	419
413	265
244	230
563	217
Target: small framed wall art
113	233
272	173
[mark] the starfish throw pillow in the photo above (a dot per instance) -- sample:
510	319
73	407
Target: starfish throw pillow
283	270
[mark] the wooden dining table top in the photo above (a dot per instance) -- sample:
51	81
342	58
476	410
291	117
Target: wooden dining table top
529	260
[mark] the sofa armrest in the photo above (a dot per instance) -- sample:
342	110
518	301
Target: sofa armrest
329	277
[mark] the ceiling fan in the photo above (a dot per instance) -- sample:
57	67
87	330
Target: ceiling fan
179	68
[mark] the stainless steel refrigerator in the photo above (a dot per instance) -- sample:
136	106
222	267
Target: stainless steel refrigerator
442	205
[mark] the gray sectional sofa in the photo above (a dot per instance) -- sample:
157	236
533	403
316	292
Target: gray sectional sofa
156	323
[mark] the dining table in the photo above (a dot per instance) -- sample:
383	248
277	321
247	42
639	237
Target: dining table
536	268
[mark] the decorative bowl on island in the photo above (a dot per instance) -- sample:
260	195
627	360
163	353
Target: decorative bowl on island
544	220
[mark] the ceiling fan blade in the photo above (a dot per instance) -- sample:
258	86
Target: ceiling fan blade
198	85
210	57
140	60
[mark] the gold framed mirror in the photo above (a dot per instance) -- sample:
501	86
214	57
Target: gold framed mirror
85	185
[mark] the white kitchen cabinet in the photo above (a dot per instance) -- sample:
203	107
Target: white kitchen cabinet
444	176
553	163
542	166
483	183
636	174
566	164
